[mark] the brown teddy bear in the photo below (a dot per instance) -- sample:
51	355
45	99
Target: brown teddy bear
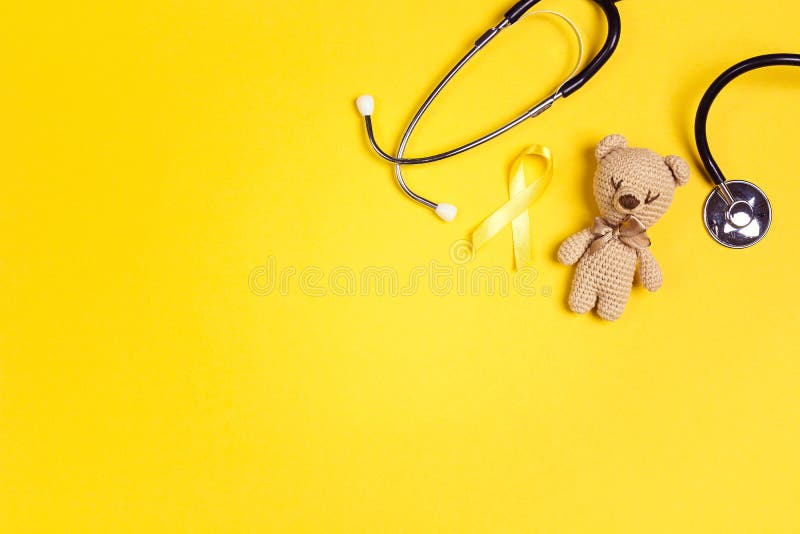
633	188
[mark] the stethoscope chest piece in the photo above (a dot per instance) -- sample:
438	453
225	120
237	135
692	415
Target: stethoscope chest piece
737	214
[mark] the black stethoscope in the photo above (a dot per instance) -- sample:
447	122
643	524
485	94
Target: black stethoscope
737	214
447	212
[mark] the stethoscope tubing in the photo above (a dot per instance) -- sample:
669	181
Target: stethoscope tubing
737	214
540	108
570	86
700	125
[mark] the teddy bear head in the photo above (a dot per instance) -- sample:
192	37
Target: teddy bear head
635	181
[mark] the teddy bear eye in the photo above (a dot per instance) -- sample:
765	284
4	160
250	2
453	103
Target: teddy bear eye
650	199
616	184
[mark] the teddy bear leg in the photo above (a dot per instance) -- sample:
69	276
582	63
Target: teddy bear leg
583	296
610	305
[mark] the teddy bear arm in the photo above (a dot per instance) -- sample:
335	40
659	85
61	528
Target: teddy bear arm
573	248
649	271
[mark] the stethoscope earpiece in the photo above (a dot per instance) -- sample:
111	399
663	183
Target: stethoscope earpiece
366	105
446	212
737	214
576	80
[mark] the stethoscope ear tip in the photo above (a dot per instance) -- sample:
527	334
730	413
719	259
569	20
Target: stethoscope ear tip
446	212
365	105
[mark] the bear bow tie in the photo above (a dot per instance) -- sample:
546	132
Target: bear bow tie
631	232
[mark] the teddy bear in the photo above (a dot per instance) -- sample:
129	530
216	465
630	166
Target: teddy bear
633	188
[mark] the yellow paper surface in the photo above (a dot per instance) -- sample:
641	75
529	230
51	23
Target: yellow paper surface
160	160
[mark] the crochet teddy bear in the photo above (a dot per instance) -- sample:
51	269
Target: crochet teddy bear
633	188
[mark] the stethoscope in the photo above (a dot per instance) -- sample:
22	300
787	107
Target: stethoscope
737	214
366	103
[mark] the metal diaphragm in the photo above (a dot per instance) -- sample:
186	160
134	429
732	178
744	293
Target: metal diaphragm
741	221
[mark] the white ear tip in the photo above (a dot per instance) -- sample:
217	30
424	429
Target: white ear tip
366	105
447	212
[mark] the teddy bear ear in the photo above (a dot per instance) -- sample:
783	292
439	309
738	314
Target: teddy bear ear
679	168
609	145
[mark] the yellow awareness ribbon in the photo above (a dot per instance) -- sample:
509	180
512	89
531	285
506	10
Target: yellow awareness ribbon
525	187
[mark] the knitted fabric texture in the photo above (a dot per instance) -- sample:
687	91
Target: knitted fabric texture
633	187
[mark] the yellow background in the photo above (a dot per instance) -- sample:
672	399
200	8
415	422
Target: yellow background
155	153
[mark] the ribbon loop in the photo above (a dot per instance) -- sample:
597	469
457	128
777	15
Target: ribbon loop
631	232
524	188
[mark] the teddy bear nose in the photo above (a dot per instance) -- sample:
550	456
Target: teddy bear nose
628	202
